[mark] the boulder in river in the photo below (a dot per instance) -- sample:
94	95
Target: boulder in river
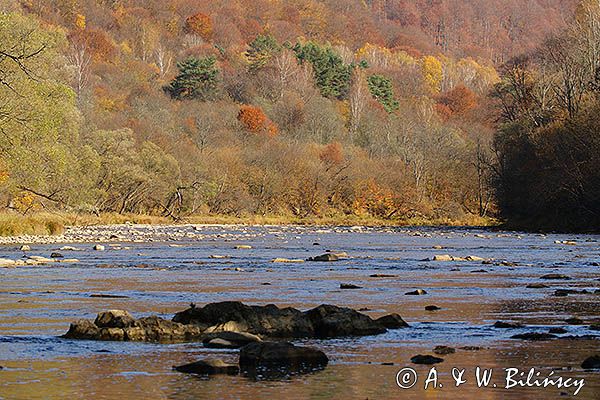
208	367
229	340
327	257
534	336
592	362
287	261
418	292
555	277
99	247
349	286
118	325
280	354
25	247
271	321
426	359
56	255
574	321
558	330
507	325
392	321
432	308
536	286
444	350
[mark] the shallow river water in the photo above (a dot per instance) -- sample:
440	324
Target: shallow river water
37	303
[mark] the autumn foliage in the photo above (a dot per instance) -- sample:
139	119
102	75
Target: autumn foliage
458	101
255	121
199	24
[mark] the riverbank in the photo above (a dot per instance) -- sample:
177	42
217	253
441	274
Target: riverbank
55	224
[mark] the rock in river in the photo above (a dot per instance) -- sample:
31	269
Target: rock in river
392	321
118	325
555	277
349	286
328	257
229	340
208	367
444	350
426	359
432	308
418	292
534	336
269	320
280	354
592	362
507	325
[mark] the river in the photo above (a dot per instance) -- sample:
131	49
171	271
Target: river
177	267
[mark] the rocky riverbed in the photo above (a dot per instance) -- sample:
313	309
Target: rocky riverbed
468	297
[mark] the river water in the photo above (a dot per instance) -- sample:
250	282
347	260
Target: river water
37	303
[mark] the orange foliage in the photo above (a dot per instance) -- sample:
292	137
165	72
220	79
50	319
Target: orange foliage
255	121
459	100
375	200
199	24
96	41
332	153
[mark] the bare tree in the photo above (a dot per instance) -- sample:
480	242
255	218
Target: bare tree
80	60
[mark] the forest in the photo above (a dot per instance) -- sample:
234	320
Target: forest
398	111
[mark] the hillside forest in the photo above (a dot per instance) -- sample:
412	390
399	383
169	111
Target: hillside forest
392	110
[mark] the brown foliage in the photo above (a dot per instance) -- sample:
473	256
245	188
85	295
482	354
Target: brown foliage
459	101
199	24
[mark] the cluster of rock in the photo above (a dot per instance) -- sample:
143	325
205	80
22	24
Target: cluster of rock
119	325
252	322
234	325
34	260
323	321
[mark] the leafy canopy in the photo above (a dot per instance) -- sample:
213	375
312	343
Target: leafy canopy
197	79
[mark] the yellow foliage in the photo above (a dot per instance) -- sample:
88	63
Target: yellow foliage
80	21
25	202
431	69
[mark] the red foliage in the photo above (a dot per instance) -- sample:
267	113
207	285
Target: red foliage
255	121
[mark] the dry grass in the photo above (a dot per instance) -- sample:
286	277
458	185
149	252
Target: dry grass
12	224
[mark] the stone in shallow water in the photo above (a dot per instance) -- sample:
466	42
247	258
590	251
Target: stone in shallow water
208	367
574	321
328	257
444	350
114	319
558	330
426	359
229	339
592	362
392	321
349	286
418	292
555	277
280	354
534	336
323	321
507	325
432	308
536	286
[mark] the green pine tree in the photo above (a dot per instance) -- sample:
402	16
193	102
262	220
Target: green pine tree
262	48
197	79
332	76
382	90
